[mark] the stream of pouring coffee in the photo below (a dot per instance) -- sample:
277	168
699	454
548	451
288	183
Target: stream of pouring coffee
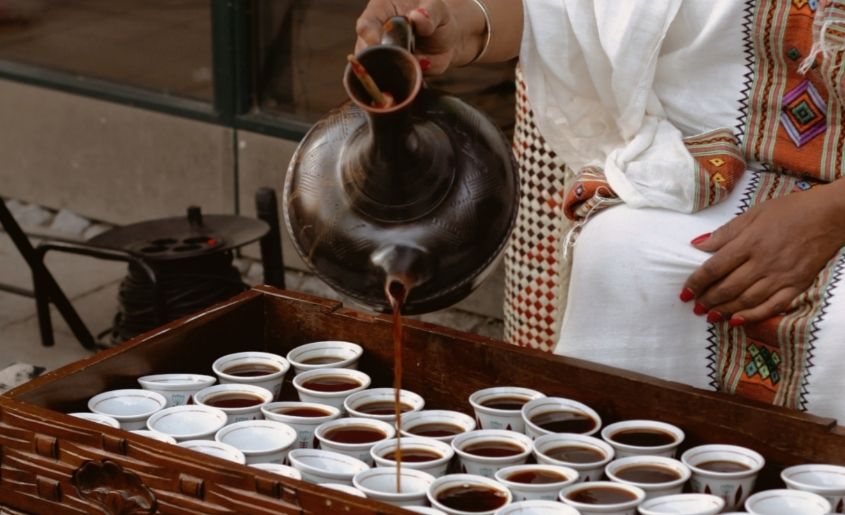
397	292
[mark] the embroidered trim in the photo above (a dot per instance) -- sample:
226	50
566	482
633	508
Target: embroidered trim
747	83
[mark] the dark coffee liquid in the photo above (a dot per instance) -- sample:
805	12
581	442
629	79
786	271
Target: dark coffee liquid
355	434
468	497
397	291
233	400
643	437
251	370
537	477
381	408
506	402
723	466
331	384
575	454
415	455
303	412
601	495
323	360
648	474
436	429
495	449
564	422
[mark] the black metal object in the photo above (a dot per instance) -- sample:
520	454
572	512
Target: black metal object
271	245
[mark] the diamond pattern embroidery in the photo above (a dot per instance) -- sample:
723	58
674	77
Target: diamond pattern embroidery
803	113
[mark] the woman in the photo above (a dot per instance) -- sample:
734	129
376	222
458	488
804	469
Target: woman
709	199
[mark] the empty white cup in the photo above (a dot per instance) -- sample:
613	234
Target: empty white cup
161	437
302	424
319	466
487	466
536	507
547	491
787	502
130	407
226	370
490	417
436	467
545	450
380	484
188	422
216	449
442	425
360	451
683	504
325	354
351	490
733	487
825	480
332	398
178	389
357	403
98	418
279	469
261	441
548	406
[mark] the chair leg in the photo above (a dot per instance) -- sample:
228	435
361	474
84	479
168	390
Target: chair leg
42	307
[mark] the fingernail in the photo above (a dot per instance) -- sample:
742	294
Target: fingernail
701	239
699	309
736	321
425	64
424	12
714	316
687	295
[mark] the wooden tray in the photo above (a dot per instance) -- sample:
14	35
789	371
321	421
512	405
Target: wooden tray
54	463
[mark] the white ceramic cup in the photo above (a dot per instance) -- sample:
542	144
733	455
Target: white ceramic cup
178	389
425	510
683	504
98	418
351	490
342	355
328	397
613	432
161	437
651	489
221	391
303	425
825	480
357	403
279	469
360	451
319	466
535	507
628	507
465	481
588	470
442	425
223	369
261	441
130	407
216	449
523	491
565	407
495	418
380	484
487	466
436	467
188	422
787	502
733	487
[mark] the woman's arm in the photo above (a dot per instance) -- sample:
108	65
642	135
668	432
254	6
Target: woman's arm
449	32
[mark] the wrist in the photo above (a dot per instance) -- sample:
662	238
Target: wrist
472	29
835	200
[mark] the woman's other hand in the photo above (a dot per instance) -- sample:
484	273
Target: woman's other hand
438	34
765	258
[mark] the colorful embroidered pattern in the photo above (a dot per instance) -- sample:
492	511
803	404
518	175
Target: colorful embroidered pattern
803	114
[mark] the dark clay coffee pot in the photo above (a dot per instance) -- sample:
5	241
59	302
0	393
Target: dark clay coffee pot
422	193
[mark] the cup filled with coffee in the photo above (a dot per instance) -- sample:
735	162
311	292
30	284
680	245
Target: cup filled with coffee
537	508
380	484
535	481
586	454
460	494
441	425
330	385
256	368
320	466
728	471
603	497
643	438
303	417
325	354
484	451
683	504
657	475
430	456
353	436
261	441
552	415
178	389
825	480
499	407
787	502
239	401
379	403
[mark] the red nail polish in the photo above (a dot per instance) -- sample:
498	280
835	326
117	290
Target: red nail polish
701	239
425	64
699	309
424	12
714	316
736	321
687	295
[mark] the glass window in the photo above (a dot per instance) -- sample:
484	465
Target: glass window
163	45
302	48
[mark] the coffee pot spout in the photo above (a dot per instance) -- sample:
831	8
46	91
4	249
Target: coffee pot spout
405	264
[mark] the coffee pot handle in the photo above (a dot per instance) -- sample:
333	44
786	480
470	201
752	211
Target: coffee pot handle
399	31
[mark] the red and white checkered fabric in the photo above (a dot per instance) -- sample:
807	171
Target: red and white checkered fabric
536	275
